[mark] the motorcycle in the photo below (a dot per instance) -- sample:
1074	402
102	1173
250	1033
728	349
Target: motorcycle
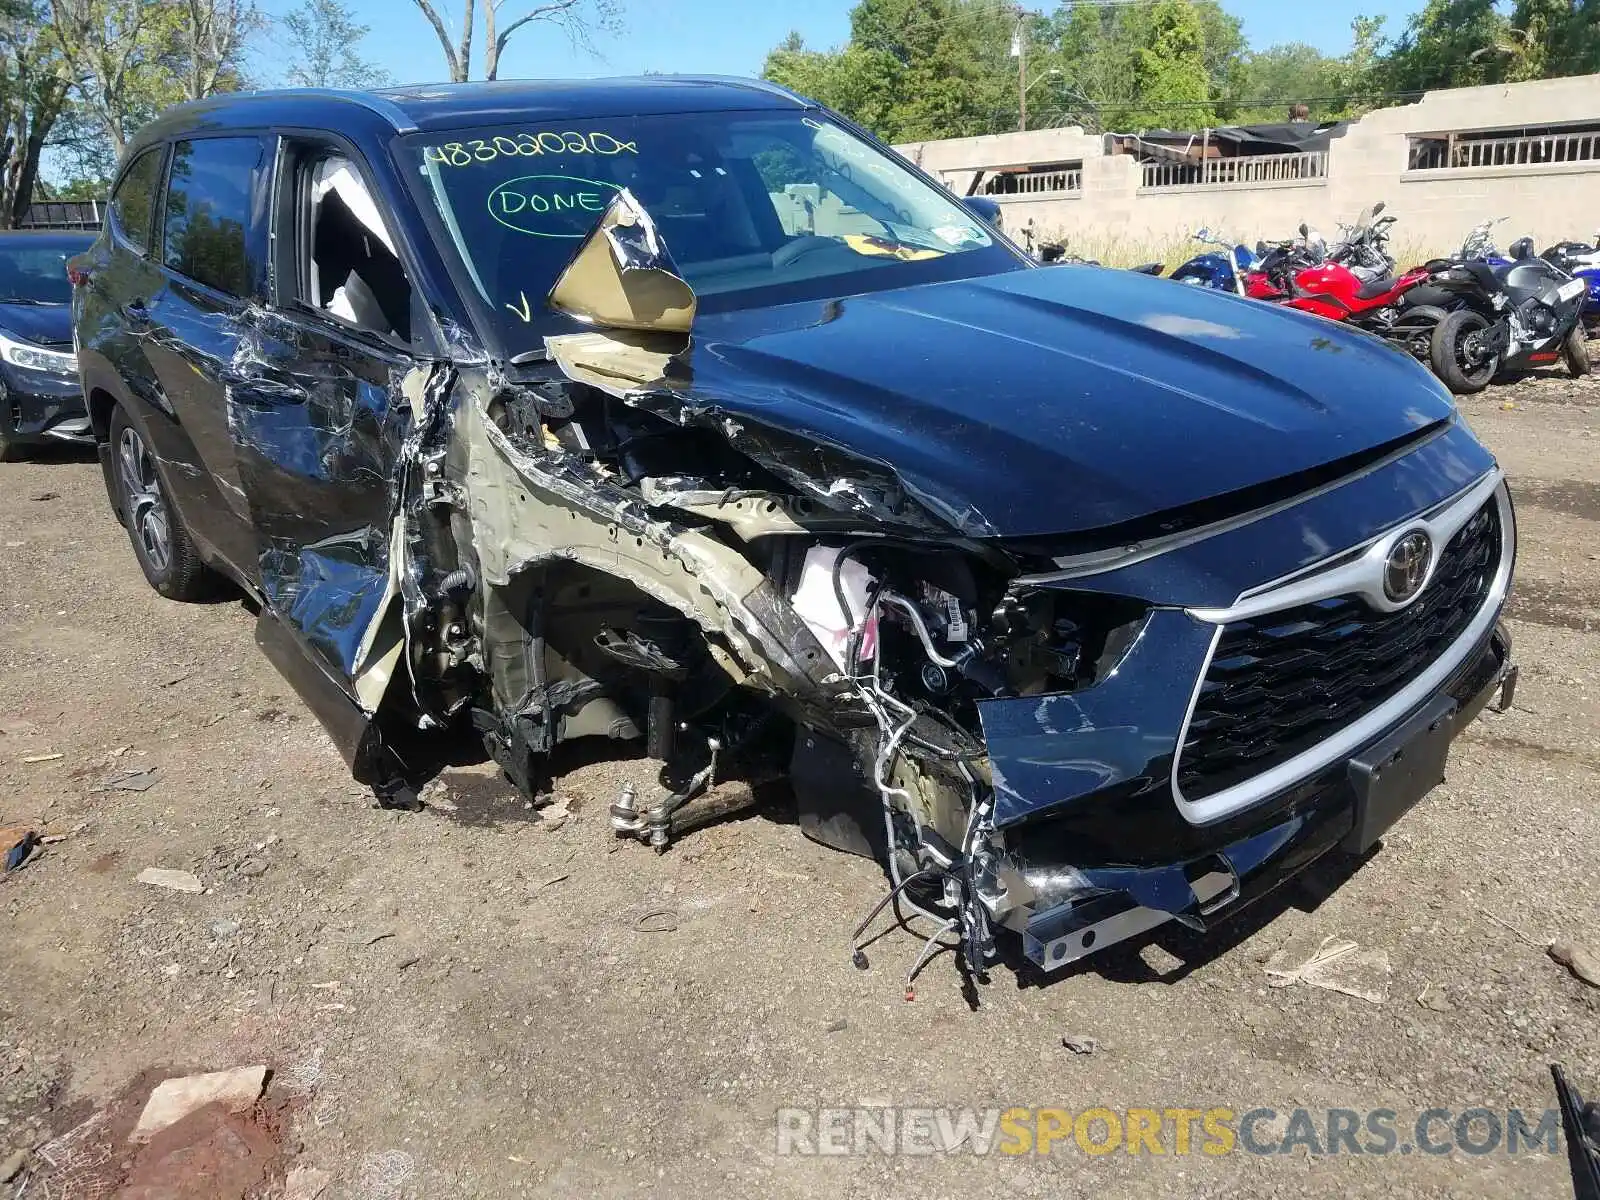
1353	282
1277	264
1581	260
1051	253
1507	315
987	209
1224	269
1364	246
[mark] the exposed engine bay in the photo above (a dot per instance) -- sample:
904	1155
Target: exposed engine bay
587	542
602	564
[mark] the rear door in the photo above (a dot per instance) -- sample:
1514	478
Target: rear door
213	253
112	307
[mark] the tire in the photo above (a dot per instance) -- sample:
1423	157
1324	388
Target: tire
1448	353
1576	351
161	543
1413	330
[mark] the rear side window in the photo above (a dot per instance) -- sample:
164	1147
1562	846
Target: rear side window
135	197
213	231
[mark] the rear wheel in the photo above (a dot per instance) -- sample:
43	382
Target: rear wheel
1413	329
1576	351
162	545
1460	354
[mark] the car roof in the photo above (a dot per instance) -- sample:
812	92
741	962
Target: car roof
424	107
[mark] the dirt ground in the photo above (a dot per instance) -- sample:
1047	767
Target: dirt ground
476	1000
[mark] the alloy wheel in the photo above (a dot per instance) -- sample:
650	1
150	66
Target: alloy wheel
147	512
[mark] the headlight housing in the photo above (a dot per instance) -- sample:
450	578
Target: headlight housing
36	358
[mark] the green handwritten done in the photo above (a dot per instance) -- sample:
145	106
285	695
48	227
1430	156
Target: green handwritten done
562	206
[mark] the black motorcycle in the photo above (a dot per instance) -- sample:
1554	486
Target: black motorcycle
1502	317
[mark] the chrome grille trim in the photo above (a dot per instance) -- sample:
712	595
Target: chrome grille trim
1352	573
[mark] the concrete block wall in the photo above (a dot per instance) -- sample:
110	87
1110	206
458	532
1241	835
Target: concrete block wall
1366	164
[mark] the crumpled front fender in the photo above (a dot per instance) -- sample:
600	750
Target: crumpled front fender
1113	739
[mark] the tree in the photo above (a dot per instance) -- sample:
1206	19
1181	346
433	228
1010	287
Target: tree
33	94
913	69
1169	69
327	40
1116	71
81	152
1553	37
129	59
934	50
107	44
916	69
209	36
1224	51
794	65
579	19
1361	70
863	84
1291	73
1450	43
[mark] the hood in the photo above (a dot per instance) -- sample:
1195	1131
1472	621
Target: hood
42	324
1064	399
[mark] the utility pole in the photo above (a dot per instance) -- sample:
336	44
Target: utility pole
1019	51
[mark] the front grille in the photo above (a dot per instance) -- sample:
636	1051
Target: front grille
1280	683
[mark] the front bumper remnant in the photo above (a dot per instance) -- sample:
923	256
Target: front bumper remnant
1064	913
36	407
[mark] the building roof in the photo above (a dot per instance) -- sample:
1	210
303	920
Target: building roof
1289	137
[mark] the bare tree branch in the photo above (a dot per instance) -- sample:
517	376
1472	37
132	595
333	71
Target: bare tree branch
576	17
458	60
544	12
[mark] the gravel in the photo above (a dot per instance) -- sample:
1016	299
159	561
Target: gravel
518	1036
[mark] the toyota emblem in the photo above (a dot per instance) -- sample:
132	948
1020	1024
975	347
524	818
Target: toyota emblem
1407	566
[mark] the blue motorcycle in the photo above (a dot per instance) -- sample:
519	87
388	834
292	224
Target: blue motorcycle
1582	261
1223	269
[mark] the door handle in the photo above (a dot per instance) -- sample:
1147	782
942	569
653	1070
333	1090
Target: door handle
137	311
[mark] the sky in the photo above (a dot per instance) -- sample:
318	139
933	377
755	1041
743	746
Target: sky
732	37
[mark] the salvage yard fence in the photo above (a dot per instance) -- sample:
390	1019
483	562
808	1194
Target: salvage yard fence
63	214
1526	150
1036	185
1255	170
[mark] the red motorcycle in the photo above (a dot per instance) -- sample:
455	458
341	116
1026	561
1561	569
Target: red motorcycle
1354	283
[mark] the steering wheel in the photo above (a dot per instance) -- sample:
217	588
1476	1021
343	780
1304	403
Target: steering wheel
808	244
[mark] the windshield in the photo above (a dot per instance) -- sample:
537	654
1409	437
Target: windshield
754	207
34	271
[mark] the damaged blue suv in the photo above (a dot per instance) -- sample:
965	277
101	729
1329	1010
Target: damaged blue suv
681	411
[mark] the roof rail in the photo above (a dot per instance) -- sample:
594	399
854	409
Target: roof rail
750	85
372	102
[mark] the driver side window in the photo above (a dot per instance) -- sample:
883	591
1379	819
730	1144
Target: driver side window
351	269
